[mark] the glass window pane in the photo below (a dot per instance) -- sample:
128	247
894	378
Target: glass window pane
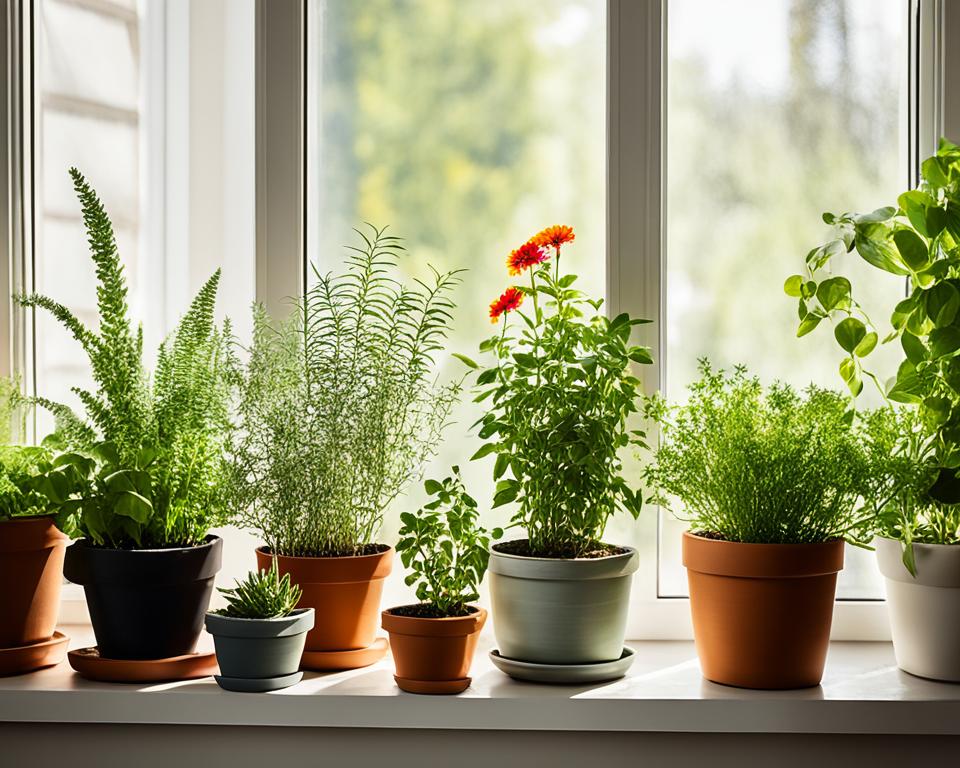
776	112
467	126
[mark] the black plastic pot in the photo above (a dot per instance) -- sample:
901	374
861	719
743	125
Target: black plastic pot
145	603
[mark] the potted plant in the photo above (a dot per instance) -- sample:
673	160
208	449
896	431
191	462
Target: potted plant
918	240
337	412
770	483
149	461
259	636
446	551
560	394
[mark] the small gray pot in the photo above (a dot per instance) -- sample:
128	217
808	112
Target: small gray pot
260	648
553	611
924	610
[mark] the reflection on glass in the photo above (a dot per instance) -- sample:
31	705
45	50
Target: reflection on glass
776	112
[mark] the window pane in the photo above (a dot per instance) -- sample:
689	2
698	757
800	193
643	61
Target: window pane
776	112
465	125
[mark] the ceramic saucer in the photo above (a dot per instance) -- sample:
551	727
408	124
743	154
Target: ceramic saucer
257	684
564	674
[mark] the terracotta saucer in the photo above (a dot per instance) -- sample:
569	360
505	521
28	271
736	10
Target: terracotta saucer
329	661
433	686
29	658
88	663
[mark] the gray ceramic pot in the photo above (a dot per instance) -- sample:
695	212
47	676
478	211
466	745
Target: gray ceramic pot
924	610
551	611
260	648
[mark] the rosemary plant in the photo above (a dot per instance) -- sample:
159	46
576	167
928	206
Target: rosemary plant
149	455
761	467
338	409
262	595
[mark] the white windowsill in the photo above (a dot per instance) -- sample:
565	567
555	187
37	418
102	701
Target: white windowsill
862	692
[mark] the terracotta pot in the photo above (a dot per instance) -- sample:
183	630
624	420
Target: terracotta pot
344	592
145	603
762	612
433	655
924	609
31	571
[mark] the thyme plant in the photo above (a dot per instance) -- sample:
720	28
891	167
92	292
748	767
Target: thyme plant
261	595
446	549
760	467
149	454
338	406
561	393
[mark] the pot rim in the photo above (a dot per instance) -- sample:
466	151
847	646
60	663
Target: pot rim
297	622
209	541
31	533
937	565
564	569
86	564
422	626
761	561
348	569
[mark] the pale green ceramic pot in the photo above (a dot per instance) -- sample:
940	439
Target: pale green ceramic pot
553	611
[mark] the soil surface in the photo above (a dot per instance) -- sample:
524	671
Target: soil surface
427	611
366	549
521	547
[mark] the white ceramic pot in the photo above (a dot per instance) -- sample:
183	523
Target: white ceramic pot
924	610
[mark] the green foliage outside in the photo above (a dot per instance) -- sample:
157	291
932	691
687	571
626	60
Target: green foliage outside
146	466
262	595
918	240
761	467
338	408
445	548
559	395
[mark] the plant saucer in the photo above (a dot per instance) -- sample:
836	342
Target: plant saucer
433	686
90	664
29	658
564	674
331	661
257	684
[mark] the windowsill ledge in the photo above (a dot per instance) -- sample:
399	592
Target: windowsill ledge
863	692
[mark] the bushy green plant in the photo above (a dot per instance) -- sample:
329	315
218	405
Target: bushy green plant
262	595
445	547
149	455
560	395
338	407
761	467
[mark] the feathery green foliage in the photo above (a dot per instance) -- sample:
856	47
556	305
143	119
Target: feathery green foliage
262	595
150	454
761	467
445	547
337	409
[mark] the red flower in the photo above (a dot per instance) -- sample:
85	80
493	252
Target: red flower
554	236
527	255
509	300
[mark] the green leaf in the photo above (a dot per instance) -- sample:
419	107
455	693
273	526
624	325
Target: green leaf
808	323
792	285
131	504
850	372
849	333
914	349
880	214
465	360
944	341
941	303
485	450
834	292
867	345
433	487
912	248
873	244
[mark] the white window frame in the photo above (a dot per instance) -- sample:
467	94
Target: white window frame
635	173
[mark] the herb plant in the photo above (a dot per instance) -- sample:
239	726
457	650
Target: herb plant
561	393
445	548
262	595
149	455
760	467
338	407
918	241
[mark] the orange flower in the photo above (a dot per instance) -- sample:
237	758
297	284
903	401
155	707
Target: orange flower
554	236
509	300
527	255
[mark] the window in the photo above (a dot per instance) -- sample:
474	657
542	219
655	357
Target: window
467	126
763	134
